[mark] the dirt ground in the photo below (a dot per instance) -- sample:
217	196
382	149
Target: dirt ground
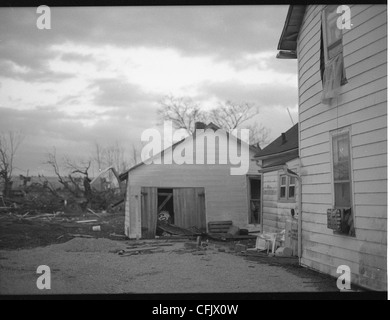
94	265
32	231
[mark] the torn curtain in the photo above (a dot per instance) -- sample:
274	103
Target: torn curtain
333	74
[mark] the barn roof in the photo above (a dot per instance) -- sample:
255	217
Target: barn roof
211	125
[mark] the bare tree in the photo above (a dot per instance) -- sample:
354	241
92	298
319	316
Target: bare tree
230	115
182	111
98	155
135	154
258	135
9	145
116	155
70	179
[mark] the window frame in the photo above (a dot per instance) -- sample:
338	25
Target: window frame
260	200
334	134
325	36
287	198
324	49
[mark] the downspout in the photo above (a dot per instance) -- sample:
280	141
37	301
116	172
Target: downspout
300	213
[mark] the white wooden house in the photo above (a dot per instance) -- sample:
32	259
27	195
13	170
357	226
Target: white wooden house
278	164
342	71
198	193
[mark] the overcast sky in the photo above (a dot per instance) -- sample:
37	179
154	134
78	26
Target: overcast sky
99	73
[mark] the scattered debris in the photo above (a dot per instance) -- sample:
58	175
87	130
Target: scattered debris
240	248
233	230
174	230
86	221
93	212
118	235
136	251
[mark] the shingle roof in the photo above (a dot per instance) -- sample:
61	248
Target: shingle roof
280	160
278	146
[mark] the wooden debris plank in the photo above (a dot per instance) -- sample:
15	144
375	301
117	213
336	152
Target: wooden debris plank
141	249
93	212
86	221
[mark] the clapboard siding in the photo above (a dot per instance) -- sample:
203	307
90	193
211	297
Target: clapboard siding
370	174
361	115
378	96
275	212
362	107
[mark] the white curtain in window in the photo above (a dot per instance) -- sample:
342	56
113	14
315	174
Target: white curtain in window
333	74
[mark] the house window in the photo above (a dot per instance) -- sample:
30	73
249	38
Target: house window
333	35
342	182
291	188
283	187
332	60
254	200
287	188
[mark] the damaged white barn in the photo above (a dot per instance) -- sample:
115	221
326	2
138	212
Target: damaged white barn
192	195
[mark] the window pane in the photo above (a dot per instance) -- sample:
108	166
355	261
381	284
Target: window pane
255	186
342	193
341	170
333	33
283	181
283	192
292	181
291	192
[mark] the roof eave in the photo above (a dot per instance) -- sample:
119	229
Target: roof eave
276	154
288	39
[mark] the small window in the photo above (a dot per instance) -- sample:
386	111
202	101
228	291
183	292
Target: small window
341	162
287	188
283	186
255	200
291	188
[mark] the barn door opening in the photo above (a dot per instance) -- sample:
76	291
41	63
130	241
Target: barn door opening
185	208
189	207
165	205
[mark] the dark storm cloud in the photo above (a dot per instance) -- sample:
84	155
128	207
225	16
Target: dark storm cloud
227	31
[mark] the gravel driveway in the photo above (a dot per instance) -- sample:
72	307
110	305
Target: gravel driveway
94	266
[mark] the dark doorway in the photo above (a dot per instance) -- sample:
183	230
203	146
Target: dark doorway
185	207
165	205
